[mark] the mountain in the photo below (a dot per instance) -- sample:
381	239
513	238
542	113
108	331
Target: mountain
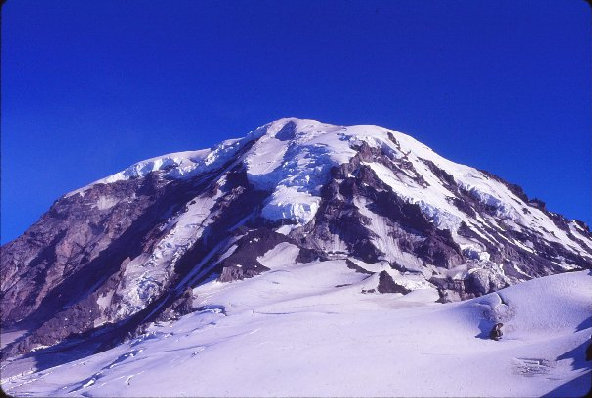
110	259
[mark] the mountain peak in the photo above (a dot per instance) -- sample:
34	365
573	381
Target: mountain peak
300	124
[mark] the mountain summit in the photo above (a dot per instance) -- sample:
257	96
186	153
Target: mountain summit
126	250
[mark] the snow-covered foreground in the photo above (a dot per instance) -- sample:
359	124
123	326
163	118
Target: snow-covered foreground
308	330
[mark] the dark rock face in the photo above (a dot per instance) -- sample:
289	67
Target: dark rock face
440	249
181	306
386	284
242	263
114	256
83	243
340	216
351	265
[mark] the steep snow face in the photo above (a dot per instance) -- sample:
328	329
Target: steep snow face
310	331
293	159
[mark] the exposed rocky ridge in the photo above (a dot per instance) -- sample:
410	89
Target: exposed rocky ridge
123	251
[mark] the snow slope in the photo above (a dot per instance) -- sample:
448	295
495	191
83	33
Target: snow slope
307	330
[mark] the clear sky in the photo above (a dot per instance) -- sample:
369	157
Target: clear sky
90	87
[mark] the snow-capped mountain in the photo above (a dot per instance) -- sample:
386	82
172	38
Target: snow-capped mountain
111	258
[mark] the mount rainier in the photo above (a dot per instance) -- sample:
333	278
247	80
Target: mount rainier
299	231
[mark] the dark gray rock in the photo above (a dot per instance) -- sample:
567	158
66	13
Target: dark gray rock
386	284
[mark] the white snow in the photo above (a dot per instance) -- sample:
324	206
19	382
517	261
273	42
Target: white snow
284	253
287	203
292	332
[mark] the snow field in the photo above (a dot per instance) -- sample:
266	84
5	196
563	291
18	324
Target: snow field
291	332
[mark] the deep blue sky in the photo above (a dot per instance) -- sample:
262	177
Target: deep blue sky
90	87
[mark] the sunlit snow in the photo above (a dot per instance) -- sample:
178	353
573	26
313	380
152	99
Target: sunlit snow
307	330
